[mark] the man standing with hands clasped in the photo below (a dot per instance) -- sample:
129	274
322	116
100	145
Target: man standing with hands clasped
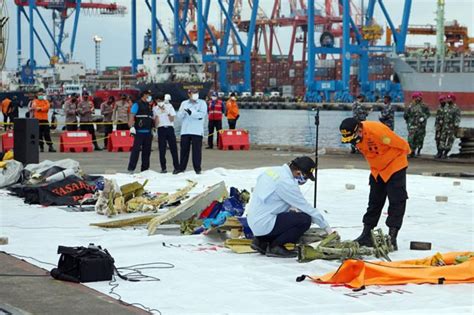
192	113
164	115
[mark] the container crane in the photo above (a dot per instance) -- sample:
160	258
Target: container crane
61	10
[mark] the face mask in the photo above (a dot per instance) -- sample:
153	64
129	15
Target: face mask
148	98
41	97
301	179
213	98
233	98
195	96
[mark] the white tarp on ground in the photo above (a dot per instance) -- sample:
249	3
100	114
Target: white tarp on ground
210	279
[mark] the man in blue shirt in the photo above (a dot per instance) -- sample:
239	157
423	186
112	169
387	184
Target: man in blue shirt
278	213
192	113
141	123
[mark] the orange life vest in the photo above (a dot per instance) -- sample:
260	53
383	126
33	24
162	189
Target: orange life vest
42	109
385	151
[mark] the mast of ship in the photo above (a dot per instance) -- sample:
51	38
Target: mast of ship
440	42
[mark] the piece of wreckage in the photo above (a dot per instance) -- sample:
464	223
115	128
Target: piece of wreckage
131	198
59	183
331	248
181	212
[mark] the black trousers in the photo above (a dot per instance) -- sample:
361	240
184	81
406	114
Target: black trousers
232	123
186	142
141	142
395	190
44	133
90	128
213	125
122	126
166	135
107	130
71	127
289	227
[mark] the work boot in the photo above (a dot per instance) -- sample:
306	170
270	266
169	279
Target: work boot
97	148
365	239
259	246
177	172
445	154
280	251
393	232
51	149
164	171
439	154
418	153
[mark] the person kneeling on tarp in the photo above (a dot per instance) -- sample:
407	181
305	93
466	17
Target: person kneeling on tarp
386	153
269	215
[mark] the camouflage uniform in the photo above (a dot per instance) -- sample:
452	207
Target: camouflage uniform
359	112
448	118
416	116
387	116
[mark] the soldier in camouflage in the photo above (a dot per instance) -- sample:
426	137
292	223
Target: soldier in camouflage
359	112
387	114
448	118
416	116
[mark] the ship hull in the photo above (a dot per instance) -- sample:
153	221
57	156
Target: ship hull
432	85
177	90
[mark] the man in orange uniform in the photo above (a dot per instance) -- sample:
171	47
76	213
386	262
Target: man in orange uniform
40	109
5	105
232	111
386	154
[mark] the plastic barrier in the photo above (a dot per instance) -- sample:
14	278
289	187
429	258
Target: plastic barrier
7	141
120	140
234	139
76	141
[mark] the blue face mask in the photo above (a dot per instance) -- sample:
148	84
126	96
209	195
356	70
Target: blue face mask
148	99
301	179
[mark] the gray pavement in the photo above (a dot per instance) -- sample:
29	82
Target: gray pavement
259	156
32	291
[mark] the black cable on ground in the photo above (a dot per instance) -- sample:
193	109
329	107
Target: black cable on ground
135	274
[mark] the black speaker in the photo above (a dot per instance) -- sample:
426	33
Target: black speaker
26	140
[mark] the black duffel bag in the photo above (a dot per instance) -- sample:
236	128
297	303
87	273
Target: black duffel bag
84	264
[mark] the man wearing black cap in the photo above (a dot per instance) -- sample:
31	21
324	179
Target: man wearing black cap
141	123
386	153
268	214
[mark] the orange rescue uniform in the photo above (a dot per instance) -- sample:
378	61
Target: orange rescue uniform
384	150
232	109
5	104
41	109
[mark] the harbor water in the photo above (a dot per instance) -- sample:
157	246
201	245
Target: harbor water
297	127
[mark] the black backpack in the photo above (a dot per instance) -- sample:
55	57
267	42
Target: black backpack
84	264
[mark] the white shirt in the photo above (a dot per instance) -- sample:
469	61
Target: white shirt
193	124
163	111
276	192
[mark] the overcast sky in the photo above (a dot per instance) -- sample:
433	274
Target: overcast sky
115	31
